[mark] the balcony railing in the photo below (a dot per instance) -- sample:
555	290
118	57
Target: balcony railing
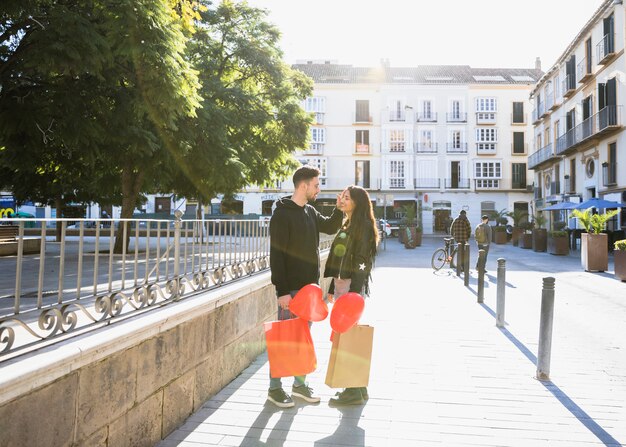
606	120
426	148
609	174
549	100
555	188
426	183
605	49
456	148
568	186
539	112
319	117
538	194
520	119
457	183
456	117
362	118
544	154
397	116
569	86
427	117
361	148
584	70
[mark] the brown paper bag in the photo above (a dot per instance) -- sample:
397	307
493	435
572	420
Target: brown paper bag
350	358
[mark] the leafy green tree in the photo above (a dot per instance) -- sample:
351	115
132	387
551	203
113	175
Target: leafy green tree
251	119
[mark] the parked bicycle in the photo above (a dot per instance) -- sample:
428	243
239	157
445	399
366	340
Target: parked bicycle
445	255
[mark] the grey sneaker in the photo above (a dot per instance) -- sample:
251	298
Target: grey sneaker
279	398
349	396
304	392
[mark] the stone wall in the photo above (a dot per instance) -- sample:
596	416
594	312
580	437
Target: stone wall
120	393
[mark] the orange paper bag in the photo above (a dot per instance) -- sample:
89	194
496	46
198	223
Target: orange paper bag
290	348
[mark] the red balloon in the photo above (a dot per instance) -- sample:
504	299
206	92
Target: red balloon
308	303
346	312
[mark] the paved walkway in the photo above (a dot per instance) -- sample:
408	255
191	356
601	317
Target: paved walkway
444	375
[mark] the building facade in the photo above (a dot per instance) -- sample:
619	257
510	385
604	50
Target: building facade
441	138
578	123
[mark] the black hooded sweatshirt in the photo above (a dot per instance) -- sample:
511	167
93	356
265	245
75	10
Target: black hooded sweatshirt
294	244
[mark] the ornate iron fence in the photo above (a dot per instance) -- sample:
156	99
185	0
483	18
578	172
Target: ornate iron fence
56	286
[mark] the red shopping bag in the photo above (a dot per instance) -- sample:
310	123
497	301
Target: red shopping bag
290	348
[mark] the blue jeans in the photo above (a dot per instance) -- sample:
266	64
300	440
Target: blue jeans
275	382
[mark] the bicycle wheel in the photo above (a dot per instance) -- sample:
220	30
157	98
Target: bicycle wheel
439	259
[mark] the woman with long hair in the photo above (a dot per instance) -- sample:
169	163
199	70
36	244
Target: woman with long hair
350	262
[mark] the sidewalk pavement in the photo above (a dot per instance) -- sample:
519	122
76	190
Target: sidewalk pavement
443	374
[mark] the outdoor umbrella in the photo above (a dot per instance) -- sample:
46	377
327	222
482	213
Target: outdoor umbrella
560	206
599	203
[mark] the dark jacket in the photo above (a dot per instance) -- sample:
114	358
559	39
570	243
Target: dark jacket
461	229
294	244
351	258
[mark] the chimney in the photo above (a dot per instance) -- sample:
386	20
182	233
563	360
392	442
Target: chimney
537	64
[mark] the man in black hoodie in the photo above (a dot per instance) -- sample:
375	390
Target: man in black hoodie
295	259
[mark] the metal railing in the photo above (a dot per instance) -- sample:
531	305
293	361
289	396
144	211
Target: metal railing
583	70
456	148
426	148
569	85
605	120
427	117
462	183
605	48
543	154
460	117
426	183
549	99
78	281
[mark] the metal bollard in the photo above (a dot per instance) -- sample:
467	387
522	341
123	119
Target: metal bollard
545	329
460	256
466	269
177	231
481	276
500	292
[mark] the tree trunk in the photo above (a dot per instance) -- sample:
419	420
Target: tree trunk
131	186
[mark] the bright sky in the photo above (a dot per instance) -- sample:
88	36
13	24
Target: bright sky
479	33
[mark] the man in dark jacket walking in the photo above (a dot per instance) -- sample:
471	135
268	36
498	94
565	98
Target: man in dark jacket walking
461	230
294	259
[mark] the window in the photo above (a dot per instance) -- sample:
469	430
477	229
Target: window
456	139
427	110
609	168
362	111
397	141
590	168
319	163
426	139
518	177
518	143
396	174
547	135
317	105
486	139
487	174
572	175
362	143
362	173
456	110
318	138
518	113
486	105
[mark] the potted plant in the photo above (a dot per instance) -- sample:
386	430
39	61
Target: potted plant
499	234
518	217
594	250
558	242
619	259
526	239
540	234
499	217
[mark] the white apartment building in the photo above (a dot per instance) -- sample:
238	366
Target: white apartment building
444	138
578	118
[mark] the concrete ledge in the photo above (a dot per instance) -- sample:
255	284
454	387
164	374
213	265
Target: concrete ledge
133	382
